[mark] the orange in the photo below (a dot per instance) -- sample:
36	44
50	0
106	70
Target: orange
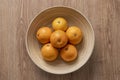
58	39
74	35
59	24
43	34
49	53
68	53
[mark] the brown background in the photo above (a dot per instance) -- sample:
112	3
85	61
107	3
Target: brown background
15	15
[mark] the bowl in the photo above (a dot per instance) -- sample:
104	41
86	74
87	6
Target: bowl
73	17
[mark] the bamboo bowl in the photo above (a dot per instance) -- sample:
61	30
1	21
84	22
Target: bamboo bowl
84	49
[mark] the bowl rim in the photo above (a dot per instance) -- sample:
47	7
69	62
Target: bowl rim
26	38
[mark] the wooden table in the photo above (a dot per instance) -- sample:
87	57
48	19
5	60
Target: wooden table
15	15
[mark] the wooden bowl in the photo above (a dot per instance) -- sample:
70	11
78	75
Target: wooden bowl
73	17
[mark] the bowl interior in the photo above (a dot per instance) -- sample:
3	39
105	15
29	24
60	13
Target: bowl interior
45	19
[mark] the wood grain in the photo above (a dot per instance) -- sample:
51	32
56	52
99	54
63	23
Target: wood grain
15	15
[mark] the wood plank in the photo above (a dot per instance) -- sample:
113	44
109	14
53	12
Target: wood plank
15	16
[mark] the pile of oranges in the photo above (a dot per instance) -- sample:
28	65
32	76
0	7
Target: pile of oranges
61	41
